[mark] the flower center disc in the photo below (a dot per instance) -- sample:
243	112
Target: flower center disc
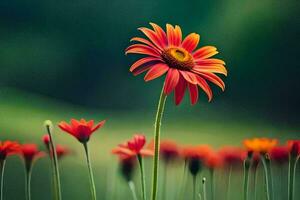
178	58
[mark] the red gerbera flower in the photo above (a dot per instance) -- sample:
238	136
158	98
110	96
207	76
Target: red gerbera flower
186	67
213	160
279	154
169	150
232	155
82	130
133	147
294	147
7	148
30	152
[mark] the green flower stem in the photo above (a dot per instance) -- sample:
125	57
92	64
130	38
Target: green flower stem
182	182
229	182
159	114
247	163
55	167
2	166
268	176
28	170
292	173
194	186
212	174
132	189
143	180
204	188
91	176
255	182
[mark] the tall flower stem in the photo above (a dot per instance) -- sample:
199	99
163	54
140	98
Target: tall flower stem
204	188
212	174
268	176
91	176
229	182
194	186
291	177
159	114
255	181
28	170
132	189
247	164
143	180
2	166
55	167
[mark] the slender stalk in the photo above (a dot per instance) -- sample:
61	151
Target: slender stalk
268	176
55	167
2	166
143	180
291	177
204	188
212	174
132	189
183	181
28	170
159	114
194	186
91	175
255	182
229	182
246	176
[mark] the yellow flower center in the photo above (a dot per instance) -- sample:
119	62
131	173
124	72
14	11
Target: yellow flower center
178	58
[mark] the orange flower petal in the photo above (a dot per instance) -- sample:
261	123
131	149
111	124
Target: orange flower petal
170	35
211	68
156	71
179	90
171	81
142	61
214	79
205	87
147	42
177	36
161	34
191	42
205	52
193	89
99	125
153	37
190	77
142	49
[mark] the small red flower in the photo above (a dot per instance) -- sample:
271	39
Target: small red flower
8	148
82	130
62	151
232	155
279	154
169	150
30	152
213	160
46	139
198	152
133	147
167	52
294	147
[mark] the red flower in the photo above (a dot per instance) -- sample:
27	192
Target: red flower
232	155
82	130
167	53
294	147
279	154
133	147
30	152
169	150
8	148
46	139
213	160
62	151
198	152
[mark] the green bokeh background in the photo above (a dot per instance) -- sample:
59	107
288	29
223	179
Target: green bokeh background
65	59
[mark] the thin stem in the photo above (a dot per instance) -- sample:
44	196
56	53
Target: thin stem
255	182
194	186
246	177
91	176
143	180
212	174
268	176
291	177
229	182
204	188
55	167
183	181
2	166
159	114
28	170
132	189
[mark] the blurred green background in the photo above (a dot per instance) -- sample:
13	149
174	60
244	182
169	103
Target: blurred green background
65	59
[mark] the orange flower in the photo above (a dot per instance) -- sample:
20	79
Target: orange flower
261	145
232	155
294	147
169	150
279	154
133	147
30	152
213	160
8	148
167	53
198	152
82	130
